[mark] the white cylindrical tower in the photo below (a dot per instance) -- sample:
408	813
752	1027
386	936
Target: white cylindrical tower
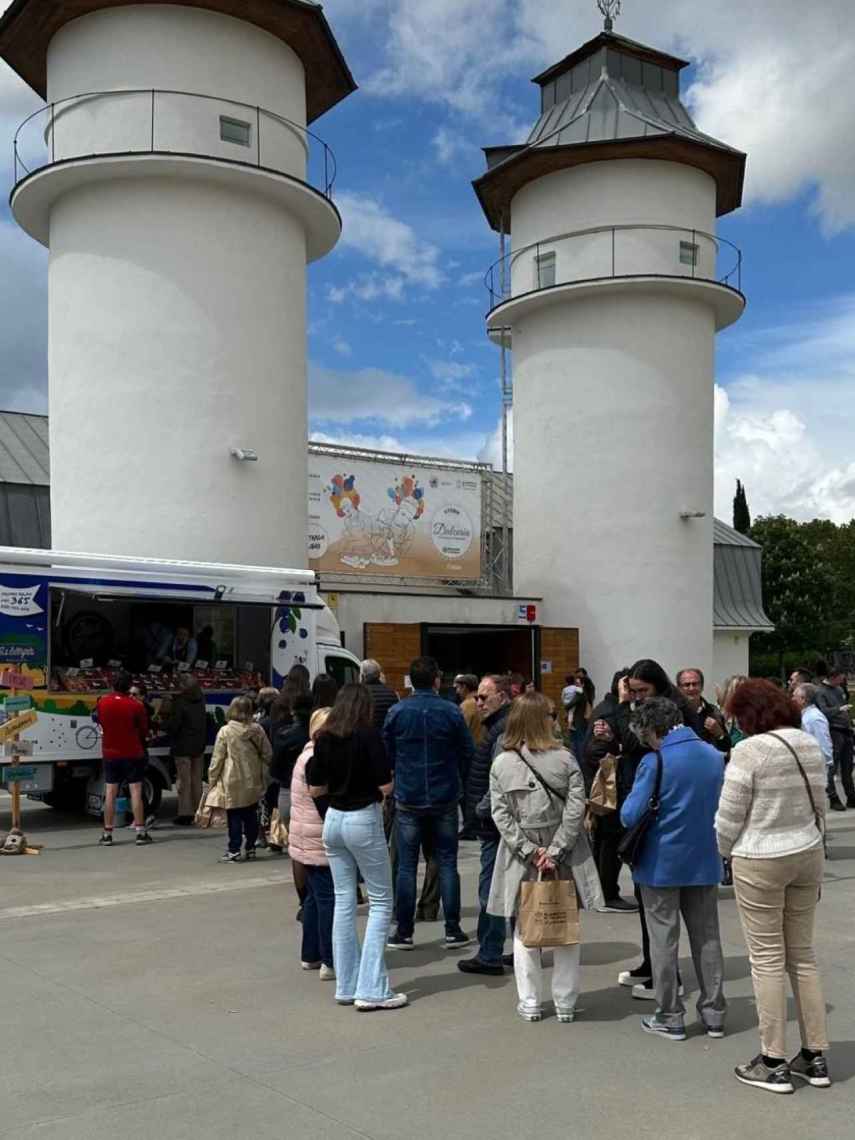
181	197
610	299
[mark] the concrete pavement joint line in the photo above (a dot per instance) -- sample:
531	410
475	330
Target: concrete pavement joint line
128	897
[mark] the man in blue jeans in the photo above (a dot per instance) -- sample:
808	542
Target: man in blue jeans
430	750
494	701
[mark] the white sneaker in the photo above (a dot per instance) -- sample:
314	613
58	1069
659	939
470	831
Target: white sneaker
396	1001
310	965
647	993
530	1012
628	978
327	974
565	1015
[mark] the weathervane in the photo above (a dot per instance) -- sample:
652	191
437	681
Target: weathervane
610	10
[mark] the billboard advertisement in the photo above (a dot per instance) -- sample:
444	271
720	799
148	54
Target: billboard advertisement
393	519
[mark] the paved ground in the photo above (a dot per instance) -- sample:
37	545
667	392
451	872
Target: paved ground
155	993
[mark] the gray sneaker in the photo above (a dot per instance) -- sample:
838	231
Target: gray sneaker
815	1072
758	1074
659	1029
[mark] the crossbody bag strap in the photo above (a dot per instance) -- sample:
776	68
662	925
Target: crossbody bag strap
817	818
547	787
657	787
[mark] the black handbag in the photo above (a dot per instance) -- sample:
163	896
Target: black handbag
631	845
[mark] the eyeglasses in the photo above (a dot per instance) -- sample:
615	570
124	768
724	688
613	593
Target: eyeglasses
480	699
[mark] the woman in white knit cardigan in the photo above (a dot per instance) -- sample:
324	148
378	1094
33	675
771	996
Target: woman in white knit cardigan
770	823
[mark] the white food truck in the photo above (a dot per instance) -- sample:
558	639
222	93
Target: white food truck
69	622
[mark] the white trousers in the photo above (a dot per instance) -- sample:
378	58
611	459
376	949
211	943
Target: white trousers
566	975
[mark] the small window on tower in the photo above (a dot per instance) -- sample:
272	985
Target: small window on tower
689	253
544	270
235	131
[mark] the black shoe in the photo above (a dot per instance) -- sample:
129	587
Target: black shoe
507	959
619	906
250	854
835	804
641	976
106	839
183	821
398	941
476	966
815	1072
758	1074
456	940
143	839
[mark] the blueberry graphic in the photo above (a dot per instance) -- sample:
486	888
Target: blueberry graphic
283	644
304	633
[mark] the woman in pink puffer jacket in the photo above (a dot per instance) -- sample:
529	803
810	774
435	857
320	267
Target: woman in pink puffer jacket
306	846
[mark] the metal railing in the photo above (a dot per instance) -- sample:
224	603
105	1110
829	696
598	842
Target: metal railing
39	143
615	252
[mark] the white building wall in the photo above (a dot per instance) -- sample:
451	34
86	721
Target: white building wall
730	657
177	331
177	302
613	438
635	195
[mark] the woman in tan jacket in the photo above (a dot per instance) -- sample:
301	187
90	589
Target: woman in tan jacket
238	776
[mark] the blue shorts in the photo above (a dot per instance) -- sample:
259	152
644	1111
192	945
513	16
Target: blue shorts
121	771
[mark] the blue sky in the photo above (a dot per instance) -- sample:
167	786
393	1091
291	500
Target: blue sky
398	354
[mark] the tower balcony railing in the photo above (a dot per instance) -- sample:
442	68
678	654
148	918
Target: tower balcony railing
603	253
128	122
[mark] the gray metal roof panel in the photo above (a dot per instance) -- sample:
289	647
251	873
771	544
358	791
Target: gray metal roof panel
25	516
726	536
24	455
738	589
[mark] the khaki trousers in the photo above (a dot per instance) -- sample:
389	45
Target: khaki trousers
188	777
777	901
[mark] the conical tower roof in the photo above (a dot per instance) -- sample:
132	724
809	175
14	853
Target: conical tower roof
613	98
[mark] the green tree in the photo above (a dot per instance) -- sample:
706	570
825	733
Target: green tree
741	514
834	547
798	588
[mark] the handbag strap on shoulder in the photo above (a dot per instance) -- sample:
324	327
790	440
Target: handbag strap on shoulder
816	816
543	783
657	787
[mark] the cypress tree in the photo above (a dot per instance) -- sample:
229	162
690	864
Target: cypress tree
741	514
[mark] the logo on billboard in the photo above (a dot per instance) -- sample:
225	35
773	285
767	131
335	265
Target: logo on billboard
452	532
316	541
18	602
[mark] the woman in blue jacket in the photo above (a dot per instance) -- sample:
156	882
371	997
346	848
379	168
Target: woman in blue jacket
679	868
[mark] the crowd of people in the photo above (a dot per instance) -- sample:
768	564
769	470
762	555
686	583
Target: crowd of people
689	793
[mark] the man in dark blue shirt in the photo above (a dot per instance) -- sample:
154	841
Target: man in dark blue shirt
430	750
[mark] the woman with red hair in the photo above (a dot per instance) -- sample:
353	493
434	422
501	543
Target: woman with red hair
771	823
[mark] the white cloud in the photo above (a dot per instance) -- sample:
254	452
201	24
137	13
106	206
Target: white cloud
372	394
450	145
785	426
371	230
491	448
450	372
457	446
342	347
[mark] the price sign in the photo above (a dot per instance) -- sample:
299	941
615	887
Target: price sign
14	705
18	748
20	774
201	664
114	664
155	669
9	679
183	667
87	663
222	665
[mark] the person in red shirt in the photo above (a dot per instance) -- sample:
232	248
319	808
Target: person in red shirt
124	725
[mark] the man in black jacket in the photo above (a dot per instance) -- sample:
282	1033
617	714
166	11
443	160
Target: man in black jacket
187	729
494	700
382	697
691	682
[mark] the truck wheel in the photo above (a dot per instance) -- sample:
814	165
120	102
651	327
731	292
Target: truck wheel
152	792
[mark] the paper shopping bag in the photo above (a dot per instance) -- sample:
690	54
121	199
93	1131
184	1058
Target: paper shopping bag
549	913
277	833
603	798
210	814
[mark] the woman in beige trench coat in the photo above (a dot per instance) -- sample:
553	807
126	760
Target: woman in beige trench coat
537	798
